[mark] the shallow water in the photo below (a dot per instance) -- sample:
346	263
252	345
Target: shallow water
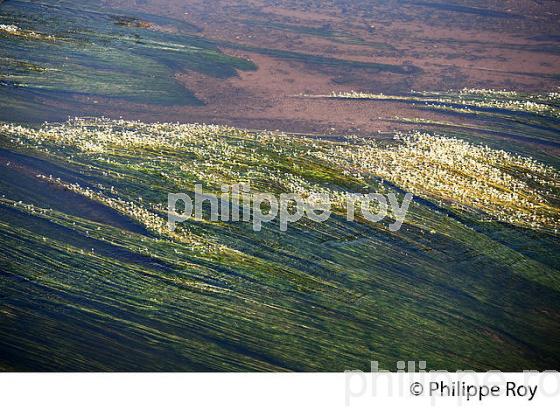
86	287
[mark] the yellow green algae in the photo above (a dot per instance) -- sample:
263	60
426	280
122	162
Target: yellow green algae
91	275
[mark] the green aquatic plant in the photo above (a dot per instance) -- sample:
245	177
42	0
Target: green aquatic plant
14	31
90	275
512	188
508	187
468	100
94	52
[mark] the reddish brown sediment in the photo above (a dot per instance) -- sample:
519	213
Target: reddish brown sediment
517	50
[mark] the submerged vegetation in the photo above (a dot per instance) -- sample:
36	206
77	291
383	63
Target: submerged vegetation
521	123
460	167
95	52
12	30
82	228
509	188
546	104
91	278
